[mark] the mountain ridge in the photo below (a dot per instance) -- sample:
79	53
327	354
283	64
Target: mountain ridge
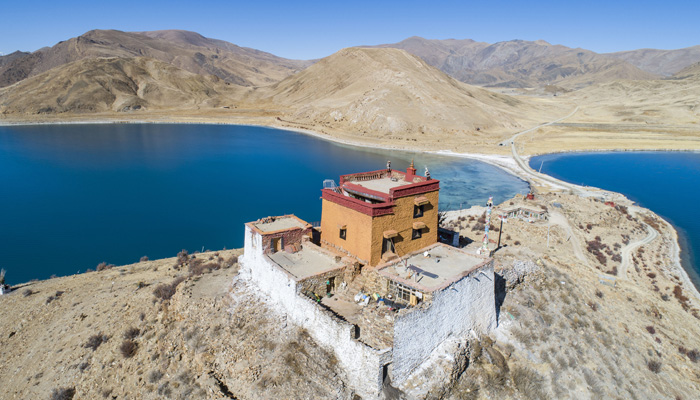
233	64
391	91
112	84
660	62
519	63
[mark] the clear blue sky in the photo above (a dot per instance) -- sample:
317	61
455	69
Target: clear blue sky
314	29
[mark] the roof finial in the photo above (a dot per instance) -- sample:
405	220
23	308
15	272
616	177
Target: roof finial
388	166
427	173
411	163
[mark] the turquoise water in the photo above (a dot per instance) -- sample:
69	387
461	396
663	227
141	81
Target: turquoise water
72	196
667	183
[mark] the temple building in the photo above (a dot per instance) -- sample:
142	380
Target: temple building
379	215
372	283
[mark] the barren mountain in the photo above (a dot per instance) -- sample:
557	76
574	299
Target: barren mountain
652	102
385	92
15	66
113	84
11	57
519	63
186	50
660	62
689	71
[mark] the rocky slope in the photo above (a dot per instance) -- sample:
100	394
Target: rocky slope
650	102
190	327
114	84
390	93
691	71
185	50
519	63
660	62
575	323
154	330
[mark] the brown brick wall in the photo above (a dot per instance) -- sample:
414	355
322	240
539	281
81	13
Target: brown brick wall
402	221
291	236
359	229
317	283
365	234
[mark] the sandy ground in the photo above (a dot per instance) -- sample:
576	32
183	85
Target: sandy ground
571	325
580	328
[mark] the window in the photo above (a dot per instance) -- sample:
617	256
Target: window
417	234
402	293
343	233
387	246
417	211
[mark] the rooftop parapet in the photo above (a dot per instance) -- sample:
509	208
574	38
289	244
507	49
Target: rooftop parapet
270	225
385	185
433	268
309	261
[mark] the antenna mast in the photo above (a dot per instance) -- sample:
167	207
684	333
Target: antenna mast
489	204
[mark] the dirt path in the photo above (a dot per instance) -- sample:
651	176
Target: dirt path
534	175
632	246
557	218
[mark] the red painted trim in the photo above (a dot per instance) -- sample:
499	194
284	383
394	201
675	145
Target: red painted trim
380	171
364	190
415	188
343	177
372	210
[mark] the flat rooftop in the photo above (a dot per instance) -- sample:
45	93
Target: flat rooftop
383	185
272	224
444	265
308	261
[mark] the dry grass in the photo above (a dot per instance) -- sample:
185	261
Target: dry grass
63	394
654	366
166	291
128	348
95	341
528	382
132	333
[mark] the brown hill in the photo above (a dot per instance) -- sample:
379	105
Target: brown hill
653	102
15	66
386	92
519	63
660	62
689	71
186	50
11	57
113	84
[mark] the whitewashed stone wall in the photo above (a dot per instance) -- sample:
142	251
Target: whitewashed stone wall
362	363
465	305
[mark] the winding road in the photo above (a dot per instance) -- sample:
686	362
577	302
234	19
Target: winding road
559	219
627	251
532	173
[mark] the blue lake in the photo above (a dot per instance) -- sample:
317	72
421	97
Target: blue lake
667	183
72	196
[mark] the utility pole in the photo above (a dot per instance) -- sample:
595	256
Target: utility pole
489	204
500	232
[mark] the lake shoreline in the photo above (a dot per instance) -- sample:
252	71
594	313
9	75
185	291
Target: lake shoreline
504	162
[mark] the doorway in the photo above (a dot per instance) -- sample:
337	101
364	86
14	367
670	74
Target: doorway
277	244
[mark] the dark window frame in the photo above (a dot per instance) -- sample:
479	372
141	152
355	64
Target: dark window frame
418	211
343	233
416	234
